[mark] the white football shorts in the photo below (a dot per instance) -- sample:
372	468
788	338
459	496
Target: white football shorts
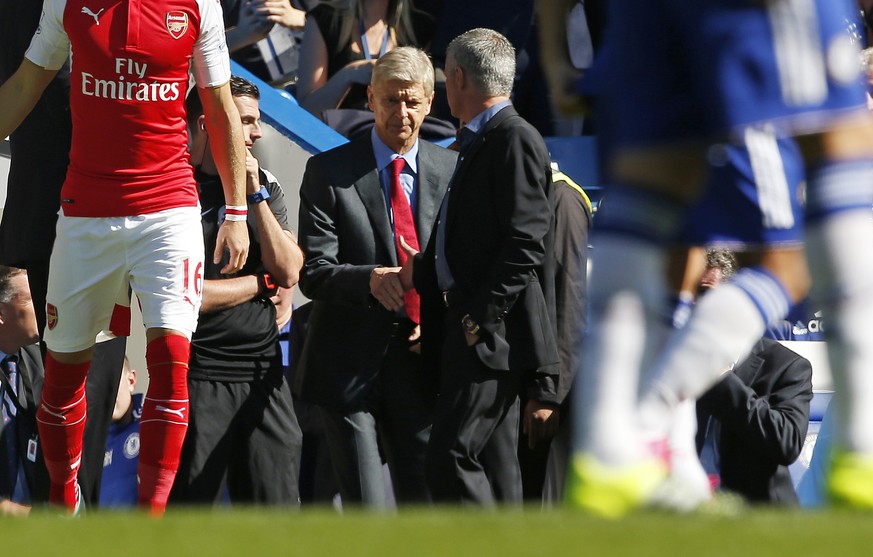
95	263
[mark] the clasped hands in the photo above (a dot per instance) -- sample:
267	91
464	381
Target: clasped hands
387	284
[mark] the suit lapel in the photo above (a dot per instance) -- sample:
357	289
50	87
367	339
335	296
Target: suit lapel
750	369
430	194
370	191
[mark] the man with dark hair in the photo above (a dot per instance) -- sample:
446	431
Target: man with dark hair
243	429
752	423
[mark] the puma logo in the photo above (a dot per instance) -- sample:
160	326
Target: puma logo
178	412
87	11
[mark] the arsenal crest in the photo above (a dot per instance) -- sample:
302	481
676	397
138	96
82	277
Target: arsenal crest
51	313
177	23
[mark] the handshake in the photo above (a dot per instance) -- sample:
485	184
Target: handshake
388	284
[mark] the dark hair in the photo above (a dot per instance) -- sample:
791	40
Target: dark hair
239	87
723	259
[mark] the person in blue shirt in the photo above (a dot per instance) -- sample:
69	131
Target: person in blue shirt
119	483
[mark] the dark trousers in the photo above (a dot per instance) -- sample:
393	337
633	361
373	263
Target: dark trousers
101	390
473	402
245	434
506	481
397	420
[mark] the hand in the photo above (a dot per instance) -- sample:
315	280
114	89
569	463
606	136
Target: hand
540	422
386	288
234	237
562	86
415	340
252	23
8	508
283	300
283	13
471	338
253	179
406	270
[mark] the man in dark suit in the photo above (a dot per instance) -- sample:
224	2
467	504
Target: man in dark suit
486	276
762	411
361	362
23	476
752	424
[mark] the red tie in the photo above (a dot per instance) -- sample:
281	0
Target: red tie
404	226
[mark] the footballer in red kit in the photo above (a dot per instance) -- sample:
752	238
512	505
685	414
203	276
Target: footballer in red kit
129	215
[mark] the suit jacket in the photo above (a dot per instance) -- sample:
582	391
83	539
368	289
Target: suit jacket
31	375
499	244
345	233
572	224
763	407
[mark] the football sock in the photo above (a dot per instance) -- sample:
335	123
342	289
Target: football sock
629	307
839	239
722	329
61	423
164	419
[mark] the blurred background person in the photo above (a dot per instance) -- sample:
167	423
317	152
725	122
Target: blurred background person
118	487
23	476
342	41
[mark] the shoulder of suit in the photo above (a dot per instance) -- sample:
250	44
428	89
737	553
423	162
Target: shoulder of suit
777	348
341	151
434	150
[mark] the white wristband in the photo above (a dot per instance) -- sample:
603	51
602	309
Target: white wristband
236	213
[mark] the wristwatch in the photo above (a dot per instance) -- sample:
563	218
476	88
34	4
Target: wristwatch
470	326
261	195
266	284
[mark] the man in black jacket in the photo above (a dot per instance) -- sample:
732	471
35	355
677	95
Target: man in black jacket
754	421
752	424
485	278
243	430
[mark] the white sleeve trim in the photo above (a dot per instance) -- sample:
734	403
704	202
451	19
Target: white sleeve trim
50	45
211	63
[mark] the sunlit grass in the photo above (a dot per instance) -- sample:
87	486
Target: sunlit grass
440	532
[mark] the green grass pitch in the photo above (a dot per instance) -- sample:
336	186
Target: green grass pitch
441	532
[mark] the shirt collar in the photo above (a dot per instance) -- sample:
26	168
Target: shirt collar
478	123
384	154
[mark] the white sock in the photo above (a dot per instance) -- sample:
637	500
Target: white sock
840	251
723	327
627	292
840	254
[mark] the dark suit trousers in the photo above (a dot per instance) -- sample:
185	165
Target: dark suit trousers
474	401
507	482
397	420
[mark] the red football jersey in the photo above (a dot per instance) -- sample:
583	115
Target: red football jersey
128	81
